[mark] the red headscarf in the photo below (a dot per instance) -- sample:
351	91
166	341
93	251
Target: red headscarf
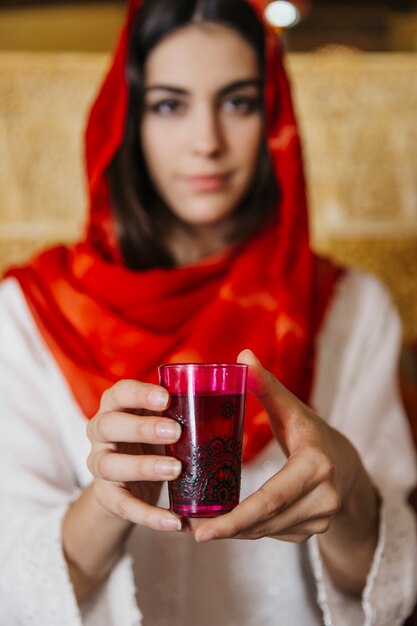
103	321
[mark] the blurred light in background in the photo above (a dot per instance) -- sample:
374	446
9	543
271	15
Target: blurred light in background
282	14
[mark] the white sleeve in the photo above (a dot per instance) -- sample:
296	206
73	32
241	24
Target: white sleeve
38	481
356	390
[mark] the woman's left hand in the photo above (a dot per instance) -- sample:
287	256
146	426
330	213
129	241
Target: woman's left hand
323	480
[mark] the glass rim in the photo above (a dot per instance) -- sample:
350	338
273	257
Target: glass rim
203	365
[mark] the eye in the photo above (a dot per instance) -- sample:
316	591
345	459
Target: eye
241	104
166	107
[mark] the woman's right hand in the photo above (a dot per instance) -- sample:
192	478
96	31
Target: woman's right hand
127	458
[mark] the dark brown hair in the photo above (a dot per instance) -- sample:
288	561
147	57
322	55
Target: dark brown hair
143	220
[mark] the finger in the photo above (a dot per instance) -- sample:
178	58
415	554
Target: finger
122	503
308	523
294	538
280	404
116	467
133	394
300	475
311	514
264	384
296	533
274	496
114	427
307	529
301	534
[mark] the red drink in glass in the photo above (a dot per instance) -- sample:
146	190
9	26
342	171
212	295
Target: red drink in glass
208	400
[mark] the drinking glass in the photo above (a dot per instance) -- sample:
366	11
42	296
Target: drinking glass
208	401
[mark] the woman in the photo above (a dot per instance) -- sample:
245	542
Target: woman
197	247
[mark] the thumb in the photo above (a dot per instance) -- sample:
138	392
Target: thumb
279	403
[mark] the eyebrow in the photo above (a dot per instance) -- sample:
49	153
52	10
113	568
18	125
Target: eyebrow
238	84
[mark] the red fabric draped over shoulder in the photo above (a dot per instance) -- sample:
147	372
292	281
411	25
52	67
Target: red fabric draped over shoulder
103	321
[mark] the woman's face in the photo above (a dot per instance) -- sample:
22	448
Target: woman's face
202	121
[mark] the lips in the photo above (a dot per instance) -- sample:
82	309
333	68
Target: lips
207	183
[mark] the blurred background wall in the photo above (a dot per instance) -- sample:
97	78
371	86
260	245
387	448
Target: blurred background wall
92	26
37	26
354	70
355	87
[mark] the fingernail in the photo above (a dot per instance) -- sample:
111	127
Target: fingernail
168	468
206	535
171	523
158	398
168	431
255	358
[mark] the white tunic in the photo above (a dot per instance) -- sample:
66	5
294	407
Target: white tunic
166	579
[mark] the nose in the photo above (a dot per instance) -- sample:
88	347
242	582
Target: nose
207	136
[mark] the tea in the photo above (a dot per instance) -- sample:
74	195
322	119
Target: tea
210	450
